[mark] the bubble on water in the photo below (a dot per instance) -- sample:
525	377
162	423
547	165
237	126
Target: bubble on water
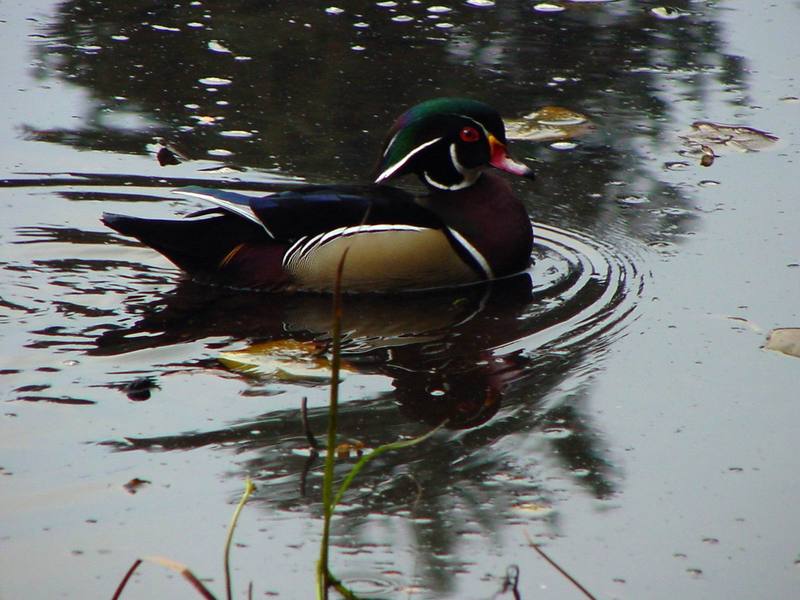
444	25
195	25
216	46
439	9
677	165
387	4
214	81
563	145
236	133
334	10
708	183
546	7
358	48
120	38
165	28
556	433
402	19
361	25
369	587
633	199
481	3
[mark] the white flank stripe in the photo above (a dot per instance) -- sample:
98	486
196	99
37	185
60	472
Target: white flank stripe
237	209
297	254
393	169
289	254
487	269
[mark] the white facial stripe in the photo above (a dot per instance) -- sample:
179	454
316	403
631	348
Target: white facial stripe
473	252
454	157
389	145
394	168
470	177
237	209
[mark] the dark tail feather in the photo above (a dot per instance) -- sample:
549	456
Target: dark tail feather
198	246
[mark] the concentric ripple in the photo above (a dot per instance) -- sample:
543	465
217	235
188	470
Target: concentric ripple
585	288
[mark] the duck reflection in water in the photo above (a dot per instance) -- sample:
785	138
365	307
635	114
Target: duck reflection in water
452	355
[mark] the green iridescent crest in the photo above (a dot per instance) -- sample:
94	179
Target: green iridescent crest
424	125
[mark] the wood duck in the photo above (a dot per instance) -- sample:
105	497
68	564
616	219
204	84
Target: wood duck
469	226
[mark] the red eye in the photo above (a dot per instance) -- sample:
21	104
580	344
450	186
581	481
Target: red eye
469	134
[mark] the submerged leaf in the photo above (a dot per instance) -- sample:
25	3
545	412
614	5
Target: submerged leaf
549	123
286	360
348	449
533	509
785	340
667	13
707	139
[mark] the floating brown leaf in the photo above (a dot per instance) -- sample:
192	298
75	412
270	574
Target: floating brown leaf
286	360
785	340
134	484
549	123
706	140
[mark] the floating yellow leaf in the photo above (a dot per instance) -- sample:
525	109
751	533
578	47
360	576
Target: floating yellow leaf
785	340
287	360
549	123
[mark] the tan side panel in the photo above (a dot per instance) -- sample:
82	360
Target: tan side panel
384	261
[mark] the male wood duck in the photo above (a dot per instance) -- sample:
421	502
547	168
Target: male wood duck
469	227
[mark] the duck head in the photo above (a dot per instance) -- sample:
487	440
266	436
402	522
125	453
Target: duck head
447	142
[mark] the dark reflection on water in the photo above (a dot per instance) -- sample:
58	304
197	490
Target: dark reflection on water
289	91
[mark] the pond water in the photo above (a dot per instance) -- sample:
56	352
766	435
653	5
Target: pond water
614	404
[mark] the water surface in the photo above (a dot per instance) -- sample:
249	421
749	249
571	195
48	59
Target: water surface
612	404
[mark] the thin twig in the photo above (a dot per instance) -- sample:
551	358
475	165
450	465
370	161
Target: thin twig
172	565
511	582
312	441
555	565
124	581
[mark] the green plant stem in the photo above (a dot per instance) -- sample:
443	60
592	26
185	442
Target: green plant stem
248	490
376	453
323	573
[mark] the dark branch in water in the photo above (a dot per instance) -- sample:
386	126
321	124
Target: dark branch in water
555	565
